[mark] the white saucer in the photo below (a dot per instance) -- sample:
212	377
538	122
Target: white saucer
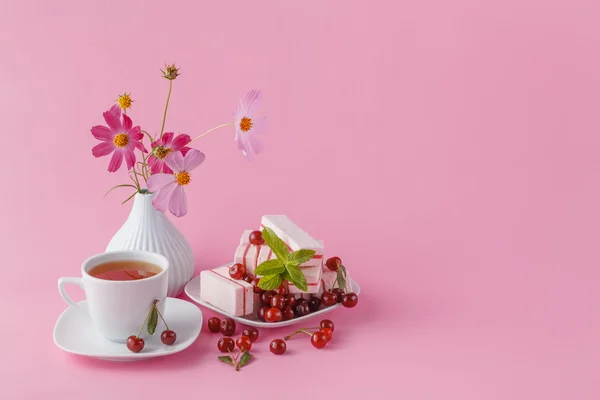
192	289
75	334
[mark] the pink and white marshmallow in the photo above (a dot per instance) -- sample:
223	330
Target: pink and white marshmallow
233	296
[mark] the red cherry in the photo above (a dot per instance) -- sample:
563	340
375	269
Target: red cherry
135	344
333	263
327	323
237	271
256	238
314	303
282	290
349	300
318	339
227	327
278	346
225	344
244	343
277	301
261	312
339	293
328	299
290	300
273	315
251	333
213	324
265	297
302	301
302	309
168	336
328	333
248	278
287	313
256	288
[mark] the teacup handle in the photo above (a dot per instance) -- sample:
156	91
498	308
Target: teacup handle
61	288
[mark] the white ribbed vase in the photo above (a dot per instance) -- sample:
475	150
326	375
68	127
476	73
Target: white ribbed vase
147	228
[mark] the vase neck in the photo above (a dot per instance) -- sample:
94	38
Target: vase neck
142	203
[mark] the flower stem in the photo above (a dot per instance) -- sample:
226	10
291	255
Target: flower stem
210	130
298	331
136	174
162	129
149	136
144	167
135	182
135	178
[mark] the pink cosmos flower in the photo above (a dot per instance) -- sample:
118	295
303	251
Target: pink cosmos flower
169	187
120	138
161	148
247	125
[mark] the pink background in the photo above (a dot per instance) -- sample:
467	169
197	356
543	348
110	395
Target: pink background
448	151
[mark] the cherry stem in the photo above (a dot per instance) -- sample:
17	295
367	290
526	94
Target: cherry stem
161	317
234	360
238	355
147	316
298	331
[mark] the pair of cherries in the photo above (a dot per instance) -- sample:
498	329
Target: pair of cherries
321	337
318	339
136	344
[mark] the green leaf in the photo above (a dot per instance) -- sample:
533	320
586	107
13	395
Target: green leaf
301	256
130	197
152	320
226	359
341	277
297	277
286	276
118	186
245	358
270	282
277	245
270	267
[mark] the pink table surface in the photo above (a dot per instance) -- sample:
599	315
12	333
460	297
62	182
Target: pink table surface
448	151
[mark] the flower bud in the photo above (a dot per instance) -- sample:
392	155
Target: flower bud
125	101
171	72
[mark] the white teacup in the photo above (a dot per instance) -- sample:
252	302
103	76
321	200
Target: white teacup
118	308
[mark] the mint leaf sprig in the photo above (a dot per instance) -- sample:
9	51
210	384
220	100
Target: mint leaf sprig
285	267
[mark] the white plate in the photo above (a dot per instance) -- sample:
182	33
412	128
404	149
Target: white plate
192	289
75	334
